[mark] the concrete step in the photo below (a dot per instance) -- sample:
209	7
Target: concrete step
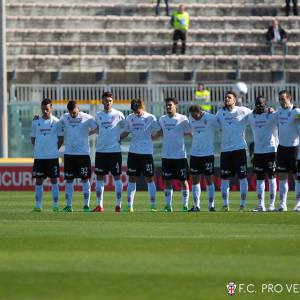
168	63
140	35
147	22
143	9
173	2
155	48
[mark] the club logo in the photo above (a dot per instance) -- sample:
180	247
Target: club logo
231	287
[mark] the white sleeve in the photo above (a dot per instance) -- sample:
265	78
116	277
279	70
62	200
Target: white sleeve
62	121
186	126
126	125
274	116
246	119
92	123
190	124
122	121
155	125
122	117
248	111
60	128
33	127
297	114
218	118
215	122
161	123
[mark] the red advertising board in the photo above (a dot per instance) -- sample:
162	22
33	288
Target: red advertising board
19	178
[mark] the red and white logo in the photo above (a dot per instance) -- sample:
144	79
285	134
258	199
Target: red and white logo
231	287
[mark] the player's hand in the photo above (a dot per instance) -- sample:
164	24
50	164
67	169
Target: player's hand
36	117
96	130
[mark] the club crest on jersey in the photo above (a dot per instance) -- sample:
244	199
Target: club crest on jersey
289	114
205	122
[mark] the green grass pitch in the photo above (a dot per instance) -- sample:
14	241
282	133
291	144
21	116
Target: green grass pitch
144	255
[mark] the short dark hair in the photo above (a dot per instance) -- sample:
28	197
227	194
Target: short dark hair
260	97
137	104
71	105
194	108
46	101
107	95
171	99
284	92
231	93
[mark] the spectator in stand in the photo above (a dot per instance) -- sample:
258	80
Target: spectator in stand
180	22
157	7
295	7
277	35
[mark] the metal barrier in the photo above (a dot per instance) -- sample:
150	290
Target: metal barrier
150	93
24	101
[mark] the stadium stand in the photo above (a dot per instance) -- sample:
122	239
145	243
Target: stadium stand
84	37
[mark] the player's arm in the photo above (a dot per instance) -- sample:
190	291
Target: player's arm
60	141
124	135
33	134
94	131
157	134
247	111
187	129
297	116
215	122
92	126
126	129
60	133
271	110
218	119
156	129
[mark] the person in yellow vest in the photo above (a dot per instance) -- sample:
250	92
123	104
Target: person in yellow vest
180	22
202	98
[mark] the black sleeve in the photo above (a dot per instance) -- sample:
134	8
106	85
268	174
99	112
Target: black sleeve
270	34
172	21
283	34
